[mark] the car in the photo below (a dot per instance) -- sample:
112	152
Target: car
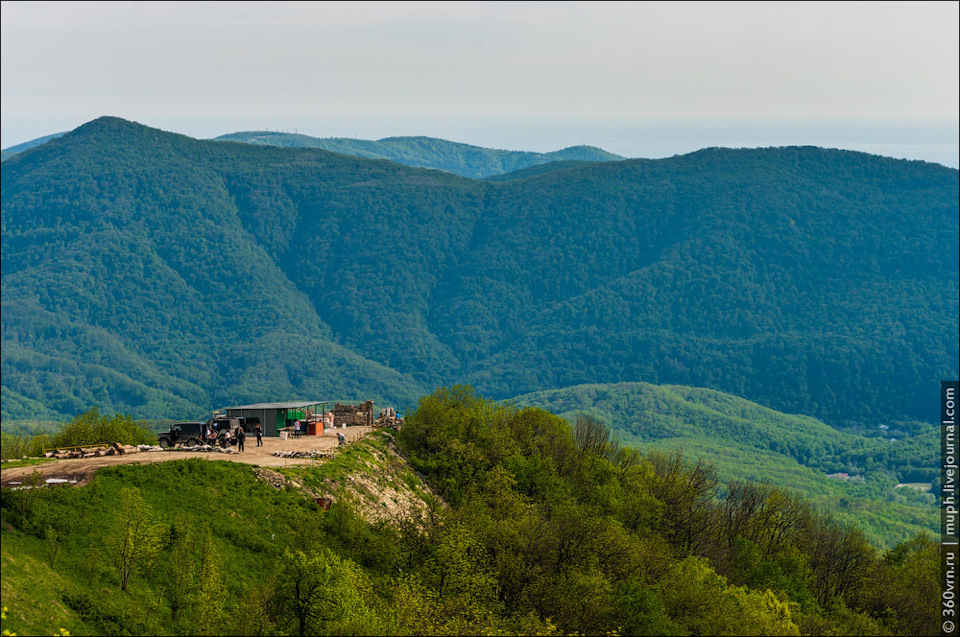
188	433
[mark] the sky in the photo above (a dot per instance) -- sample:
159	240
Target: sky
641	79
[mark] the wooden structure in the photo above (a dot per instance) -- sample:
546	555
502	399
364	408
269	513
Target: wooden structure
349	415
275	417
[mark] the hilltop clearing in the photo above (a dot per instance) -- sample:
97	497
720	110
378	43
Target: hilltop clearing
80	471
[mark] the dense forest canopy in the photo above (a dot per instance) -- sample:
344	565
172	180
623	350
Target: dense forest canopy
424	152
885	480
161	276
19	148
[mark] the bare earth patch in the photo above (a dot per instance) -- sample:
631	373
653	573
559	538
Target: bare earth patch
383	491
80	471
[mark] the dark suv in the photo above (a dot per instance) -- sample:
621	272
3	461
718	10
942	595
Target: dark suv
227	426
188	433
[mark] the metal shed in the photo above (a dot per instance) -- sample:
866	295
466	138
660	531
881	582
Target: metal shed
276	416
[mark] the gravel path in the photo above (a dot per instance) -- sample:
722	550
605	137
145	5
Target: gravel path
79	471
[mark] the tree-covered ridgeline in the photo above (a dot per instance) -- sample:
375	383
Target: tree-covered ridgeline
428	152
882	485
656	538
162	276
537	527
159	275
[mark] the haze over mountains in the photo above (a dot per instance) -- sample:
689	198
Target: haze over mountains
425	152
19	148
163	276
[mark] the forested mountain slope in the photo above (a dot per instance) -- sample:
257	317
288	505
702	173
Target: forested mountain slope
428	152
19	148
153	273
423	152
539	169
855	477
134	285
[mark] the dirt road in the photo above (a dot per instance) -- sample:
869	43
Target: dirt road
79	471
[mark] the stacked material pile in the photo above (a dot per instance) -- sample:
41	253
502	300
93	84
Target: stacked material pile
349	415
311	454
97	451
202	448
388	418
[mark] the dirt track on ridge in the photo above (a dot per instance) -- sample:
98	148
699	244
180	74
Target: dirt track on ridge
80	470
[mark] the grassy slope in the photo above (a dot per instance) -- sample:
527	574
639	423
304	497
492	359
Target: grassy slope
249	518
31	590
748	442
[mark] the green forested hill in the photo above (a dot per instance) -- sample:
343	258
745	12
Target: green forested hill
513	522
539	169
19	148
143	292
156	274
428	152
746	441
425	152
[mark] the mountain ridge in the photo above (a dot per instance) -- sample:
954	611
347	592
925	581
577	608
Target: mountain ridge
420	151
786	275
458	158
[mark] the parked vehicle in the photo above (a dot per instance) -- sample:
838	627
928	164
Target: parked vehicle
226	428
188	433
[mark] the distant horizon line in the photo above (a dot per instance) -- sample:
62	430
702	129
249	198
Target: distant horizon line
933	139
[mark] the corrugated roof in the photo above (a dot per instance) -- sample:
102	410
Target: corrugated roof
299	405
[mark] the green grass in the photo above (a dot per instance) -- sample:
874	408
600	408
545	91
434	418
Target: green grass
31	590
24	462
250	521
247	518
359	456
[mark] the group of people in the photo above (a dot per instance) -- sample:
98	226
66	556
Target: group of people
238	436
241	436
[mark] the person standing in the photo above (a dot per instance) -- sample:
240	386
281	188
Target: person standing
259	435
296	428
241	436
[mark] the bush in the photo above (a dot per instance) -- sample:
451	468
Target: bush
93	428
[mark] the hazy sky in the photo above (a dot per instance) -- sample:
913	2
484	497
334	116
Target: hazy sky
636	78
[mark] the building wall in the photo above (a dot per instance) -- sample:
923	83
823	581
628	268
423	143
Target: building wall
272	420
268	418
